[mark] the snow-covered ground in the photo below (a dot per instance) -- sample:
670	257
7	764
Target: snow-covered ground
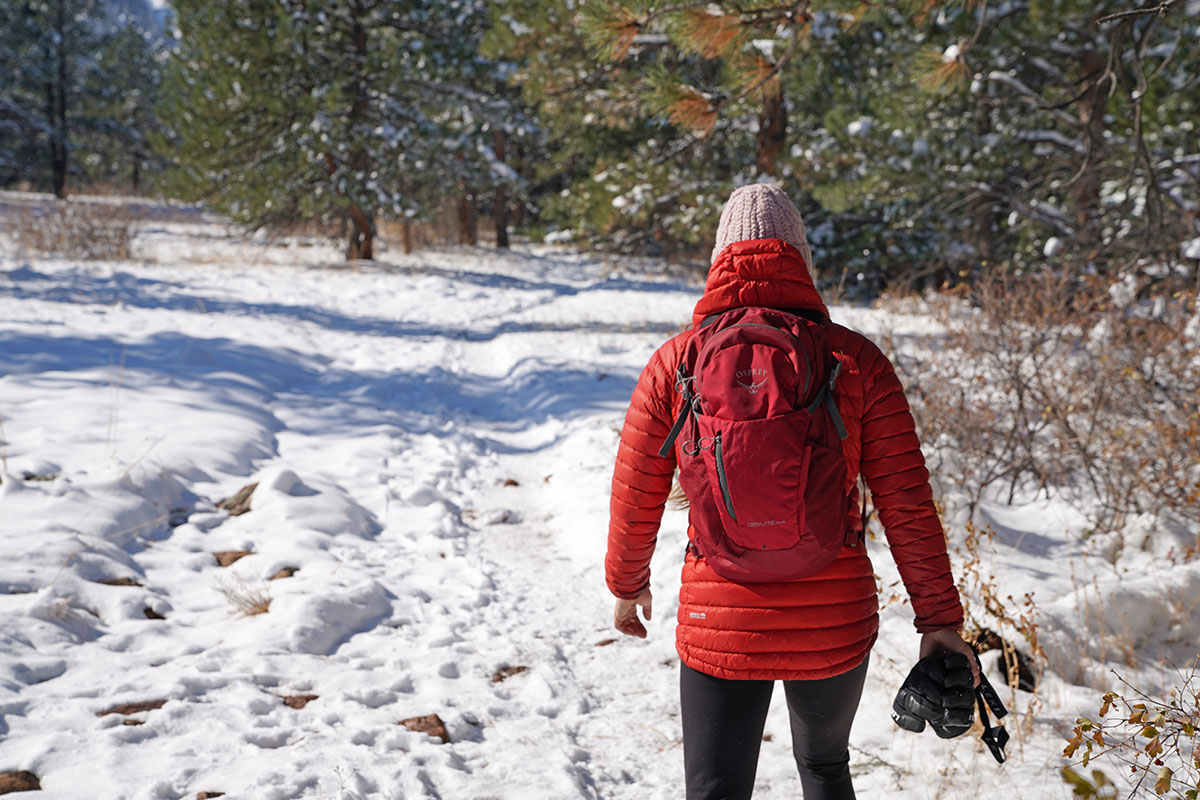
432	439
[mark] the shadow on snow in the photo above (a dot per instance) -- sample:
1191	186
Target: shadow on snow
79	287
325	399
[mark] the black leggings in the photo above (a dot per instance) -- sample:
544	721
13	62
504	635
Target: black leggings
723	725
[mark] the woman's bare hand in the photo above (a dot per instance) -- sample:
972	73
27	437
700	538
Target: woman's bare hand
951	641
625	617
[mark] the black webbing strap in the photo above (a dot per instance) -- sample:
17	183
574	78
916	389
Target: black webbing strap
995	737
825	397
682	382
665	450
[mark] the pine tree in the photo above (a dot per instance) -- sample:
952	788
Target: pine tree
117	146
293	109
615	170
1034	134
47	55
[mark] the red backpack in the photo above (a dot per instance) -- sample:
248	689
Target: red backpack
758	444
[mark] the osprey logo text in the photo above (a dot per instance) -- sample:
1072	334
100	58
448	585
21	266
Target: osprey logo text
749	375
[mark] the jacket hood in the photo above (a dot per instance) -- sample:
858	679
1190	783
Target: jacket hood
758	272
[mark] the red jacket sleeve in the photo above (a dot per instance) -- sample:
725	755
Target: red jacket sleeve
895	471
642	479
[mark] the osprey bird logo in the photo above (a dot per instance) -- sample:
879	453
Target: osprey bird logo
750	374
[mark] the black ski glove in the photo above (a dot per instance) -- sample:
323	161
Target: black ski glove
939	690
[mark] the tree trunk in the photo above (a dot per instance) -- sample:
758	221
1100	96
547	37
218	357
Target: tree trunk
518	208
406	235
1087	188
984	216
500	211
56	103
136	179
772	127
362	235
468	228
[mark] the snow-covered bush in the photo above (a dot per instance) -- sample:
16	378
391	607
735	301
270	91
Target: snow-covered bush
1046	385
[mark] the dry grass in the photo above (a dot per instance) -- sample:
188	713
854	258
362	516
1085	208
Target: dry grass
73	229
245	599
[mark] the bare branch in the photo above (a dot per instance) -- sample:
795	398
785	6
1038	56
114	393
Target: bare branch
1161	9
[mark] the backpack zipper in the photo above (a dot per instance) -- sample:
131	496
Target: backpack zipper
721	478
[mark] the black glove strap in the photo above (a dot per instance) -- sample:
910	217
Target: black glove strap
985	696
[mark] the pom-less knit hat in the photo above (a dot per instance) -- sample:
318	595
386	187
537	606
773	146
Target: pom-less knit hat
761	211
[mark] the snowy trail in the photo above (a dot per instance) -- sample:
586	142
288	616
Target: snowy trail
385	438
432	442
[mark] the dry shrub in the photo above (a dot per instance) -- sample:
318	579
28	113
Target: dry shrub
400	235
999	623
1155	737
1055	383
73	229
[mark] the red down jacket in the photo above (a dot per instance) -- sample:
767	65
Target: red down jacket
797	630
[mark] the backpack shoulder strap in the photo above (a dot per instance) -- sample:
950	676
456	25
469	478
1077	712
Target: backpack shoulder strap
683	385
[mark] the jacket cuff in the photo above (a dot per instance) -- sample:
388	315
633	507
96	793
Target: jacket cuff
624	595
929	626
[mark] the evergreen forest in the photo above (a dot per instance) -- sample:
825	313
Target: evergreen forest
927	143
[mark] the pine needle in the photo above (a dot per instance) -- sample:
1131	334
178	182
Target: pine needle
854	18
939	73
692	110
611	30
927	9
710	35
762	77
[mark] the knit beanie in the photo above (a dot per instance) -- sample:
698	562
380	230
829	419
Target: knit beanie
761	211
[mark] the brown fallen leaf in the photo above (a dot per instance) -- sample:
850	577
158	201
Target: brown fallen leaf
209	795
507	672
298	701
605	642
240	503
19	781
510	482
227	557
286	572
133	708
430	724
119	582
152	614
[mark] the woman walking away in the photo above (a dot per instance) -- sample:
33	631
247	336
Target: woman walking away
771	412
